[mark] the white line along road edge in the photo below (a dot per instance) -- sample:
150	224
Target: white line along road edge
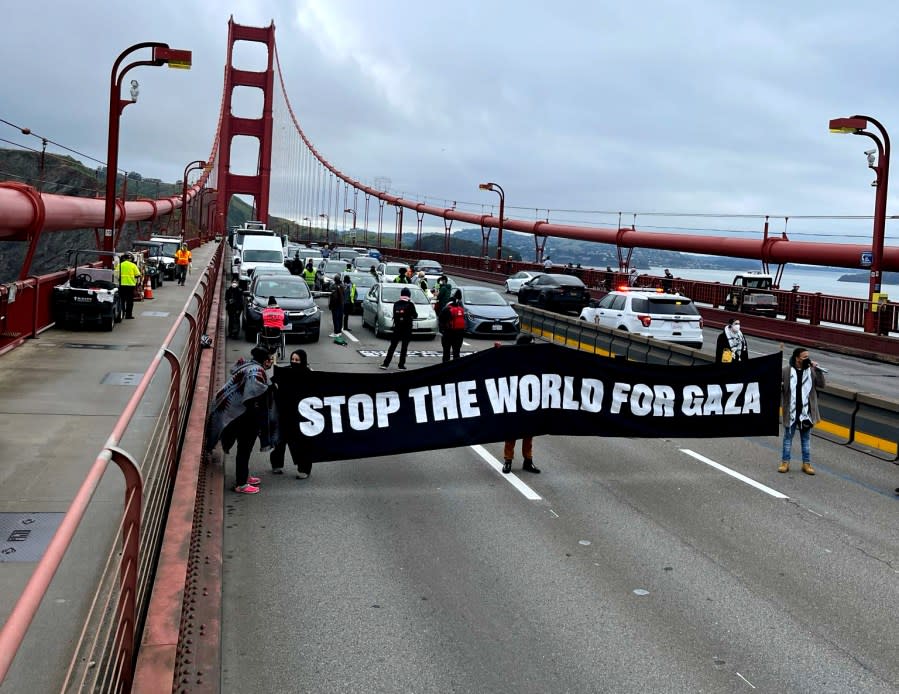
526	491
733	473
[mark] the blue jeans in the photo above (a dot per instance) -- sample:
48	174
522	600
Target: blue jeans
805	442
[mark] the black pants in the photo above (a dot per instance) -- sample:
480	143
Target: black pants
295	444
181	273
346	316
245	432
234	322
452	342
394	341
337	318
127	294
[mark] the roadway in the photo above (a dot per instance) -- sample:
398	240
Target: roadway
638	567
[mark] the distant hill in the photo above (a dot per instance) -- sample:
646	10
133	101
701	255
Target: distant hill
864	277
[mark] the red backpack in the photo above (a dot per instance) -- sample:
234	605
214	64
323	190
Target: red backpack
457	317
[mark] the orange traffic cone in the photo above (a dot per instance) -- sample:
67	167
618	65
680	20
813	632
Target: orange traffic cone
148	289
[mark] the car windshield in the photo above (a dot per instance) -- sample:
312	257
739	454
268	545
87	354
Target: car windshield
364	263
391	293
665	306
482	297
169	248
261	256
333	266
363	280
281	289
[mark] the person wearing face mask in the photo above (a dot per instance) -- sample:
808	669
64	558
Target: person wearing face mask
731	346
801	379
234	304
289	383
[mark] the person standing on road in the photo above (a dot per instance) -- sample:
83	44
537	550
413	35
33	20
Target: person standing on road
452	326
667	281
129	276
288	382
527	442
731	346
799	400
404	315
309	275
182	263
335	303
234	305
349	300
243	410
403	276
547	264
444	292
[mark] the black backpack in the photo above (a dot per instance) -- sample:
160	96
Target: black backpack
402	315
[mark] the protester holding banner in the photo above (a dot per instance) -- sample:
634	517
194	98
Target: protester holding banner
404	315
289	381
243	410
732	346
801	379
452	327
527	442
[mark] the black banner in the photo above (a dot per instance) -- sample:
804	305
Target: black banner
529	390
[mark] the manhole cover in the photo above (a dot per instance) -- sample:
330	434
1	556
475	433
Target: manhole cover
91	345
25	536
122	378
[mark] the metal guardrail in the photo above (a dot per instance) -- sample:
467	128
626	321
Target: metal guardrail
103	658
865	422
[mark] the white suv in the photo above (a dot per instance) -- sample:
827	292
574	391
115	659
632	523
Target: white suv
668	317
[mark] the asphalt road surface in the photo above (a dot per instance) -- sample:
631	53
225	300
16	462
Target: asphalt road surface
626	566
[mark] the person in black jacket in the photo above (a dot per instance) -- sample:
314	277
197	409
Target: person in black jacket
234	303
731	346
404	315
452	336
288	382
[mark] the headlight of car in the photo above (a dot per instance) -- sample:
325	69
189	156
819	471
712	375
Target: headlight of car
310	311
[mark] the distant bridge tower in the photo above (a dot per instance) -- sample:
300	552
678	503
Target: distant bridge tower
261	128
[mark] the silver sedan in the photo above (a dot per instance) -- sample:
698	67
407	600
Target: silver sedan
377	310
513	282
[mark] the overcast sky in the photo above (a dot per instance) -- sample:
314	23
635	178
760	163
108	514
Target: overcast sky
712	106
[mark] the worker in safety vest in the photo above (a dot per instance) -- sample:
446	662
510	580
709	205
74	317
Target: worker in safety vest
349	300
182	263
129	276
309	274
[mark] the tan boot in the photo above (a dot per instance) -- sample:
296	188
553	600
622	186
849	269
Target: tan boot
808	469
784	466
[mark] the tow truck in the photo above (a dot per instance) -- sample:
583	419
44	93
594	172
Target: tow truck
752	293
91	294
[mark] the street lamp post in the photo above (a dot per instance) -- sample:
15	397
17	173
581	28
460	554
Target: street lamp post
197	164
162	55
327	226
856	126
308	227
353	212
497	188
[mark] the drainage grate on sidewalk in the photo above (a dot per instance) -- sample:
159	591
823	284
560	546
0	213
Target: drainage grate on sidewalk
122	378
25	536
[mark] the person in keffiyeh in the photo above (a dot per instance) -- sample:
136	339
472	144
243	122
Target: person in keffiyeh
244	410
732	340
799	400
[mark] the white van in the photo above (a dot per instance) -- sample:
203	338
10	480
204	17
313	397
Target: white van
256	253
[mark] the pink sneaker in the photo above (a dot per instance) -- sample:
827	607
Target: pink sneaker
246	489
254	481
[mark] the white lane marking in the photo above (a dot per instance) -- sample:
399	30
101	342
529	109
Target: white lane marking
512	479
746	680
347	333
733	473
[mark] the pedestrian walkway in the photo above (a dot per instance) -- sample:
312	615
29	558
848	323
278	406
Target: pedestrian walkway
60	397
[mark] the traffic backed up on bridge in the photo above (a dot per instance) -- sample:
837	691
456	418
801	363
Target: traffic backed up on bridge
555	293
302	316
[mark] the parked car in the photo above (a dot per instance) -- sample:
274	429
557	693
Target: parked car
91	295
513	282
364	281
390	270
364	263
488	313
431	267
170	244
554	292
655	314
377	310
324	275
301	313
154	268
344	254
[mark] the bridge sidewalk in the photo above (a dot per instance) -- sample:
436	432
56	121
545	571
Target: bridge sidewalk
60	396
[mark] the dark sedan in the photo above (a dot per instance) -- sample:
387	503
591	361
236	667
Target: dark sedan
488	313
555	293
292	295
